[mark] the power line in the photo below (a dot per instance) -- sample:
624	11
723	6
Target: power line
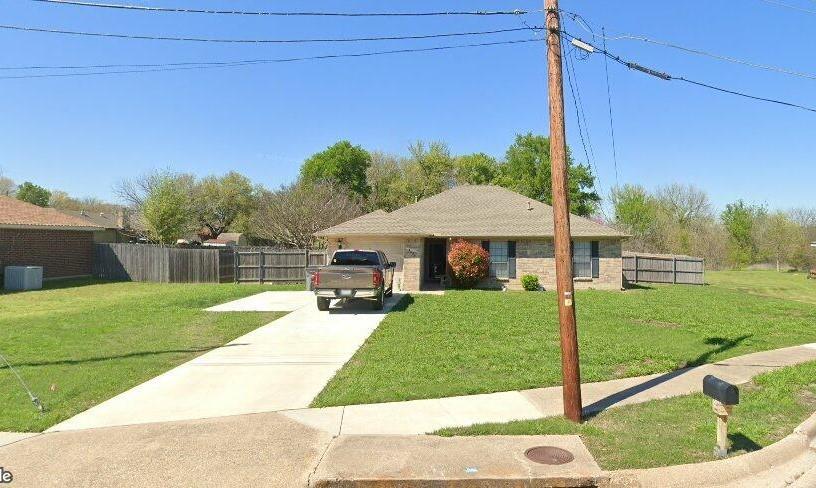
262	41
767	67
579	114
789	6
145	8
669	77
611	120
161	67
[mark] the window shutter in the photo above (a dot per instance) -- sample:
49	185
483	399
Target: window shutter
511	259
596	261
486	245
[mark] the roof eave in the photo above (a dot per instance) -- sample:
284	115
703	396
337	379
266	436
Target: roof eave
50	227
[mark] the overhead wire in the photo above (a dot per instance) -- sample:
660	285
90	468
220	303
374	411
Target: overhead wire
583	126
147	8
611	119
161	67
581	22
789	6
260	41
668	77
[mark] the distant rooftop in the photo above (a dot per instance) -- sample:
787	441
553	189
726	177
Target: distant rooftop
98	219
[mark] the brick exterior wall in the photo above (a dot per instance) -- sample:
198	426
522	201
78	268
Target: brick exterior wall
61	253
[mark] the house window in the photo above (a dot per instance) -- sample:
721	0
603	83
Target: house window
582	259
499	259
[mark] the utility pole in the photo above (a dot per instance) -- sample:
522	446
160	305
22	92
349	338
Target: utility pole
570	371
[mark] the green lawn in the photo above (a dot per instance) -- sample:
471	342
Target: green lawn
79	343
681	430
789	286
468	342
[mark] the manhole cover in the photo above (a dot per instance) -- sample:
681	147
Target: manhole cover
549	455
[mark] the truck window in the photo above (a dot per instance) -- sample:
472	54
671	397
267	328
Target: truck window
356	258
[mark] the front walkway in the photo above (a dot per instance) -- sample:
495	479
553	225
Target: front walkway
280	366
425	416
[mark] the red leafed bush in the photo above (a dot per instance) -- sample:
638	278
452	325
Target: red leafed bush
469	263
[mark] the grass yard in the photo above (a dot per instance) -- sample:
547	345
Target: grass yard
468	342
789	286
79	343
681	430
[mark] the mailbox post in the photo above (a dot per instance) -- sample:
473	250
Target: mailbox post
724	396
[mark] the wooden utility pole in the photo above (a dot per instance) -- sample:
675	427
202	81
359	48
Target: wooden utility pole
570	371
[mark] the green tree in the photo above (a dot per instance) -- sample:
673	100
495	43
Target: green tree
476	169
528	170
636	213
224	203
342	165
779	238
740	221
384	177
35	194
166	209
684	211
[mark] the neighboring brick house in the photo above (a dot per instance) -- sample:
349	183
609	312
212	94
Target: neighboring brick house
36	236
516	230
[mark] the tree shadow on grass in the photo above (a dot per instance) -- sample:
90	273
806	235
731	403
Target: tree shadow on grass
722	344
97	359
739	442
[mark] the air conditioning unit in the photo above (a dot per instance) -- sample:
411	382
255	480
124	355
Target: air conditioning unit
16	278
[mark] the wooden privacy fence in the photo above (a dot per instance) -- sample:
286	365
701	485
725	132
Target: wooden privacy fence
261	265
662	268
144	262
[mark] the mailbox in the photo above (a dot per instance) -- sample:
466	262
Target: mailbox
722	391
724	396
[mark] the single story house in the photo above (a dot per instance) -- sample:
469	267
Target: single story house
35	236
516	230
112	225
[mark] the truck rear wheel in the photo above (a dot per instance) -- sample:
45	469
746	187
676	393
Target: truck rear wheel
323	303
379	303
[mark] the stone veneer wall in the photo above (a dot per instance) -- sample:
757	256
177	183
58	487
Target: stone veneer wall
413	260
537	257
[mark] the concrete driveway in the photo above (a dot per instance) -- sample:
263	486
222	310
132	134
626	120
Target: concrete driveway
280	366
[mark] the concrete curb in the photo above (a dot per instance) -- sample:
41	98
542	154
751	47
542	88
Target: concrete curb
784	461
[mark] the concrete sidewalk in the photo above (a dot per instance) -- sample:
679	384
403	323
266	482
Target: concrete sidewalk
424	416
280	366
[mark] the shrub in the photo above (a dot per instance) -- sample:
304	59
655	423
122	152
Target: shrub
530	282
469	263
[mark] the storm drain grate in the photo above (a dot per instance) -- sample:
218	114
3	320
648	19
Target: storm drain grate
549	455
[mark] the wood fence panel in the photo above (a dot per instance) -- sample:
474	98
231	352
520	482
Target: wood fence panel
159	264
650	268
275	265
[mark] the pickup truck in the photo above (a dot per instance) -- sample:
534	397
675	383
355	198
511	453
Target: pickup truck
354	274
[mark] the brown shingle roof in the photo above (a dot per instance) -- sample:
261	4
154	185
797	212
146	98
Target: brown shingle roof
469	211
16	213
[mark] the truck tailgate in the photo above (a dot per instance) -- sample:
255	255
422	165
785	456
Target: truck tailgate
346	277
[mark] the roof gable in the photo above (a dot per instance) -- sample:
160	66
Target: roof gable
469	211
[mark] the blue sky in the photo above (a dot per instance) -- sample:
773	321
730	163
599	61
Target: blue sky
84	134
